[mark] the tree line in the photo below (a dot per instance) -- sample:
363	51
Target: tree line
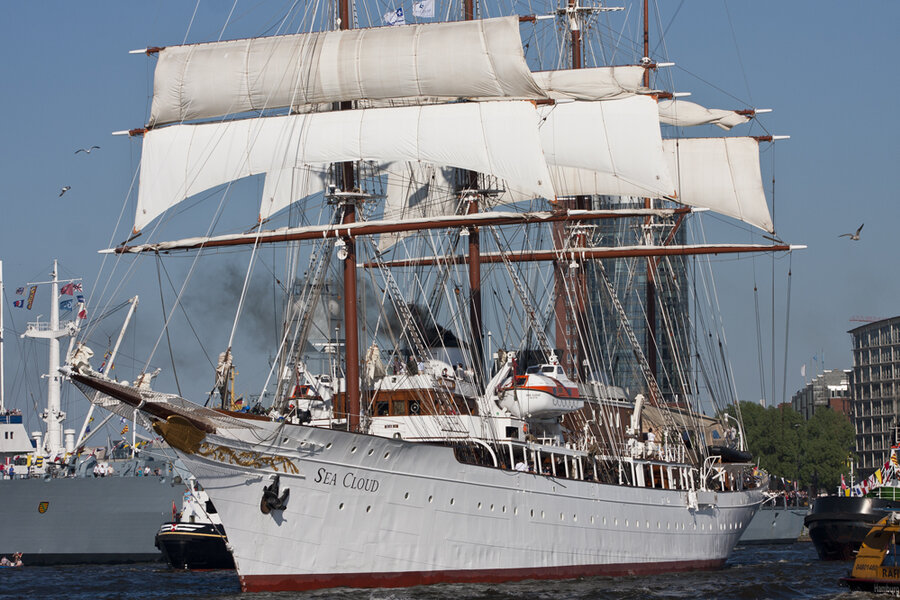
814	452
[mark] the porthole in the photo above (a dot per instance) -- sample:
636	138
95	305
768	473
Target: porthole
604	520
328	446
406	496
353	450
658	526
616	522
386	454
452	501
368	509
341	506
430	499
668	526
574	518
479	506
532	512
371	451
562	517
285	440
542	514
492	508
648	524
626	522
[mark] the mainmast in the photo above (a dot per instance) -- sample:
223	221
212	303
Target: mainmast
648	203
471	183
351	325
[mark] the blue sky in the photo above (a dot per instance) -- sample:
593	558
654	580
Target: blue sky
825	67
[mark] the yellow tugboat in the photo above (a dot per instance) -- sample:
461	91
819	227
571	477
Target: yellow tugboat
877	566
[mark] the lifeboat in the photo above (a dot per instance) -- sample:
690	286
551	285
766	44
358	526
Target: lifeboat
877	565
544	391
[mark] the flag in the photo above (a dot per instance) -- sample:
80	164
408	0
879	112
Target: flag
803	370
843	482
82	313
124	430
423	8
31	294
878	475
19	303
20	291
77	287
66	305
68	289
80	299
395	17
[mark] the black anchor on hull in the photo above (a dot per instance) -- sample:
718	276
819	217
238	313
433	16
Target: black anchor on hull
270	499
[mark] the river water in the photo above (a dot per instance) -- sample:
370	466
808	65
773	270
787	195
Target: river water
791	571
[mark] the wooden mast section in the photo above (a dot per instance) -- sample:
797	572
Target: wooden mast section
351	325
471	179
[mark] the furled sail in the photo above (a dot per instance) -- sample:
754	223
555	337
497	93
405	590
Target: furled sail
618	140
482	58
596	83
497	138
688	114
721	174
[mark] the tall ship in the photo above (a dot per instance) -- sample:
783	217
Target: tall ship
56	507
449	410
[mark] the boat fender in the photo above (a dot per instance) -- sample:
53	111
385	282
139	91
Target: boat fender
270	499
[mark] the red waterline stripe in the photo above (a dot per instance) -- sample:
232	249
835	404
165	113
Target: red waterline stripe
285	583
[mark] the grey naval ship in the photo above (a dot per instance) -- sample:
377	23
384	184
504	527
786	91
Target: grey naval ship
57	508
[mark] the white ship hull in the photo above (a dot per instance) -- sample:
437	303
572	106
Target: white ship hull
366	511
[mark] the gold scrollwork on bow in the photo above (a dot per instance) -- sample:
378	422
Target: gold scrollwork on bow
247	458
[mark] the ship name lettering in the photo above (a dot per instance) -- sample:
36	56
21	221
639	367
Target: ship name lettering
892	573
353	482
326	477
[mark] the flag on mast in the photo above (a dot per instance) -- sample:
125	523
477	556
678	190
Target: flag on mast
395	17
423	8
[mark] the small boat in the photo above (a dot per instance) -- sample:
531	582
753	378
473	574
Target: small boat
196	539
877	567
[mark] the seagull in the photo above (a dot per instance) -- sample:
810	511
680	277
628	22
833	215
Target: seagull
853	236
87	150
64	190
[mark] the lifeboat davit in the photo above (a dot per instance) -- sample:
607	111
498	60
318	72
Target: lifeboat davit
544	391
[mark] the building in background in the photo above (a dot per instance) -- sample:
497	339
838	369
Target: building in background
628	277
830	388
875	390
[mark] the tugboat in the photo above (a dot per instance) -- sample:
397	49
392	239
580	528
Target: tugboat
877	567
839	524
195	540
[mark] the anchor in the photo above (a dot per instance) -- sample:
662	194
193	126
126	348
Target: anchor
270	499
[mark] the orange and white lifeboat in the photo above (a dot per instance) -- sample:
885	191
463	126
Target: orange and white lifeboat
544	391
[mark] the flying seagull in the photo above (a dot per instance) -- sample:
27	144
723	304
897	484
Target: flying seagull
64	190
87	150
853	236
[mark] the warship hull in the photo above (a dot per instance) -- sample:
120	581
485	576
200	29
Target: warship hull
85	520
775	525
